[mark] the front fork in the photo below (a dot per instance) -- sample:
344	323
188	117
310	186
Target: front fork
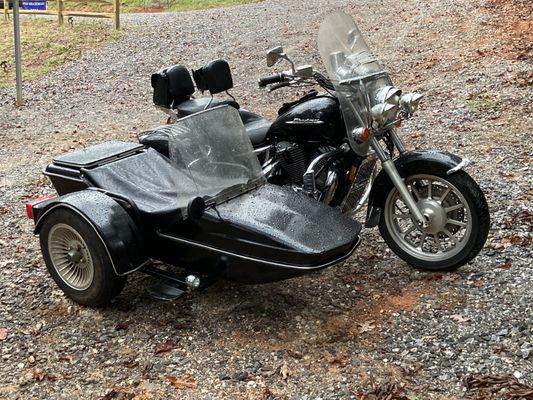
392	172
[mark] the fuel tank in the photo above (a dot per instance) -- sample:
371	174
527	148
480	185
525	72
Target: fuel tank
313	120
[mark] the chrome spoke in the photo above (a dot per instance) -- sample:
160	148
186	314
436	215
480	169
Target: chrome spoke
415	192
455	222
453	208
451	236
446	192
422	240
408	231
403	216
437	242
430	185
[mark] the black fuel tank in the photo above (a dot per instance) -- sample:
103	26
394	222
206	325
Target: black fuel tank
315	120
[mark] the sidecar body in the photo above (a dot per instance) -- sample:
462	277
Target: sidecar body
206	209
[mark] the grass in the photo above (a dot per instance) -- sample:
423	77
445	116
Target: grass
46	45
151	5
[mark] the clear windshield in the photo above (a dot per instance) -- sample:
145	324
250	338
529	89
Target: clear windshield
354	71
213	151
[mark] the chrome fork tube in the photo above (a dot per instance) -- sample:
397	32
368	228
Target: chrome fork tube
397	141
397	181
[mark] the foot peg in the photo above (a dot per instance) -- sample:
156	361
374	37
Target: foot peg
161	290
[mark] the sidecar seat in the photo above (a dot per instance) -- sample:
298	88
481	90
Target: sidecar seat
148	180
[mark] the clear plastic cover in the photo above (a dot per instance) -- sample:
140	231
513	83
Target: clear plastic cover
354	71
214	151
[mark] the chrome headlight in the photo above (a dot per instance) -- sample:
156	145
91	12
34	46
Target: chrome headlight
409	103
387	105
384	113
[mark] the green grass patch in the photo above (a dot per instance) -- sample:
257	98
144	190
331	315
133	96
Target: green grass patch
150	5
45	45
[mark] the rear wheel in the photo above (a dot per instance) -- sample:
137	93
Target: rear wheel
458	218
77	259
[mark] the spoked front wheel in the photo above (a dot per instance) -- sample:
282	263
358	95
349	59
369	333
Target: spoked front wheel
458	221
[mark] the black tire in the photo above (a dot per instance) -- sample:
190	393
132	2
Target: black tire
105	284
480	226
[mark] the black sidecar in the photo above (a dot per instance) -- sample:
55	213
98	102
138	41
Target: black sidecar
206	209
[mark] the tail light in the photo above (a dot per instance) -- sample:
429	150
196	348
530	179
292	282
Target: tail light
34	202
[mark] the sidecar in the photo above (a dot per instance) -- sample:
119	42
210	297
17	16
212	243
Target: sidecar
206	209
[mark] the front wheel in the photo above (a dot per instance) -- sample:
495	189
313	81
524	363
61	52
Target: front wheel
458	221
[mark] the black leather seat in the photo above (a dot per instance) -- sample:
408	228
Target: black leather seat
256	127
192	106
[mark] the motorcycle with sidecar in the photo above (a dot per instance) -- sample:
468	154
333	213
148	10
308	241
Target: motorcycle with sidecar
196	194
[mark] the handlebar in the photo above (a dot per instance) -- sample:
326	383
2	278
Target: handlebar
268	80
278	86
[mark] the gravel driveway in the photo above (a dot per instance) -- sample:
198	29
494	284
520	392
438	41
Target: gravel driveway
371	328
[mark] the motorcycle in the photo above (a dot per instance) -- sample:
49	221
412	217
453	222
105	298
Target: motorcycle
429	211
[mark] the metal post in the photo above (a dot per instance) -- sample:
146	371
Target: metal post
18	55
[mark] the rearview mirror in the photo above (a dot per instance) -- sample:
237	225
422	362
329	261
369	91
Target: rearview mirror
274	56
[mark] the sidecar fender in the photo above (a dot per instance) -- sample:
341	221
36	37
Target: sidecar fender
417	161
115	227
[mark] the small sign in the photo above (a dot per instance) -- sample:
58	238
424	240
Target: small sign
34	5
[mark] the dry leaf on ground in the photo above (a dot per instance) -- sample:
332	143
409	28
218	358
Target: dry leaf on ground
186	382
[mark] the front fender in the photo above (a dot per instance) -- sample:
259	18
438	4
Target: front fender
119	234
409	163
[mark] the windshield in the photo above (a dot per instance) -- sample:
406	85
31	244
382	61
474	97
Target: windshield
354	71
213	150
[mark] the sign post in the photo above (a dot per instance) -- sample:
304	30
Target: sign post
18	55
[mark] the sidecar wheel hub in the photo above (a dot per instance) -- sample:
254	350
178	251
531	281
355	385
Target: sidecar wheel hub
70	256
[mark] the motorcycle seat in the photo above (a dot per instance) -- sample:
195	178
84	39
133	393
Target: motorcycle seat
256	127
193	106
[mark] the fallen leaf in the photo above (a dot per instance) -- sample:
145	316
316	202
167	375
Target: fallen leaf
285	371
459	318
122	326
165	347
112	394
367	326
339	359
187	382
3	333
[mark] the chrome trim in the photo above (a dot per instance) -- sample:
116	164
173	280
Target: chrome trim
465	162
273	263
368	189
311	167
397	140
397	181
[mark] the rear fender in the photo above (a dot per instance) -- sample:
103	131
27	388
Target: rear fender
119	234
409	163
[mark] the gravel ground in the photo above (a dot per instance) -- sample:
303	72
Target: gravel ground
371	328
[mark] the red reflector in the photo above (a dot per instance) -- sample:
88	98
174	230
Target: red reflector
30	204
169	120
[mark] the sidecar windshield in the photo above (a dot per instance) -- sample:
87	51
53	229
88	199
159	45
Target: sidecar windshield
213	151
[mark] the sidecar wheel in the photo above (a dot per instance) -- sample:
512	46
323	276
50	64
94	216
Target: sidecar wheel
77	259
458	221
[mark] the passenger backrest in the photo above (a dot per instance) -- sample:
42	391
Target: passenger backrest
172	86
214	77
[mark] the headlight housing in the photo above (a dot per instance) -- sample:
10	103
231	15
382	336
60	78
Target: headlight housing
409	103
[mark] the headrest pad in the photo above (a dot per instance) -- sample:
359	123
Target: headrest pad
215	77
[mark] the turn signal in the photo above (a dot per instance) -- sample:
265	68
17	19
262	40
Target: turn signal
361	135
